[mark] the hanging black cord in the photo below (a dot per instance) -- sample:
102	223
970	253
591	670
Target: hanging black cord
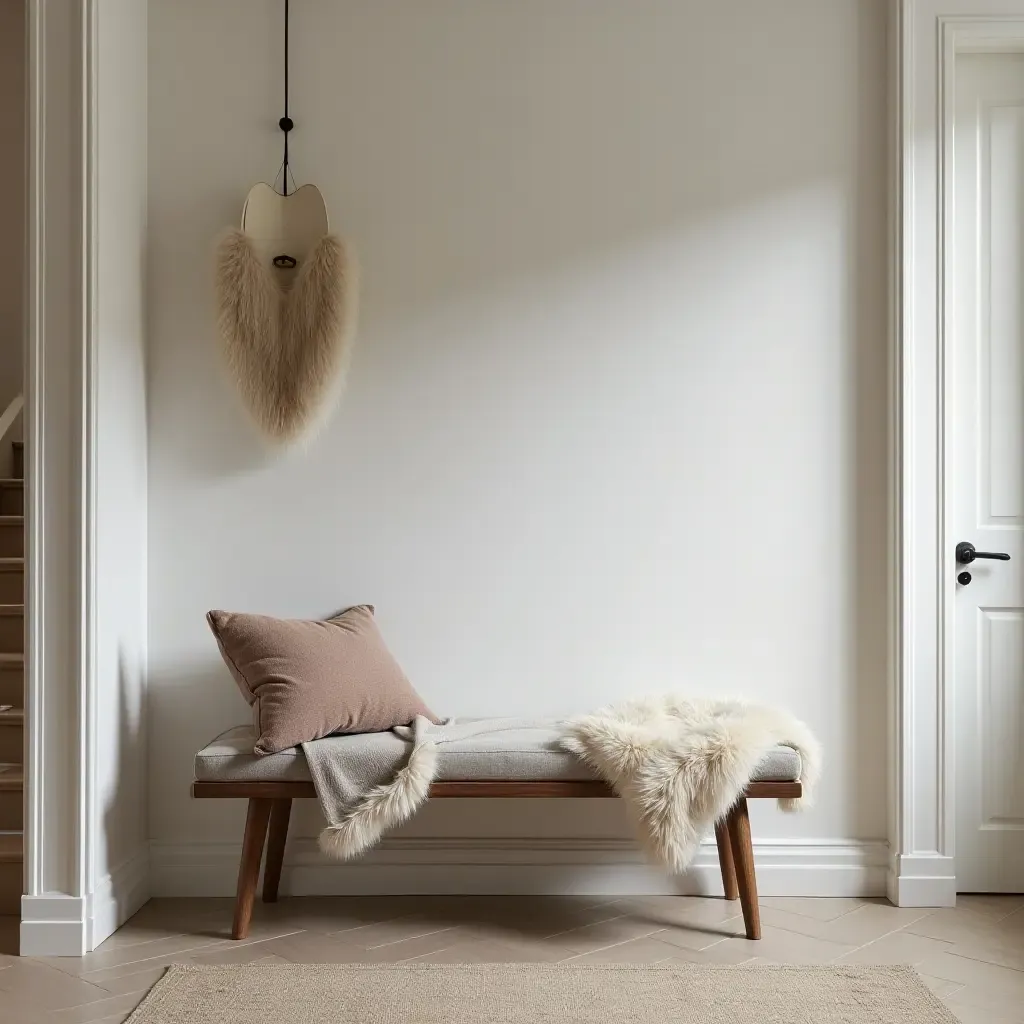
285	124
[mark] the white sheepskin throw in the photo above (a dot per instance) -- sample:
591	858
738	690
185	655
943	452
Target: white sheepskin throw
286	333
680	764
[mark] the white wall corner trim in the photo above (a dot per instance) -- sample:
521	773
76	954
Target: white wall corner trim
60	677
583	866
926	36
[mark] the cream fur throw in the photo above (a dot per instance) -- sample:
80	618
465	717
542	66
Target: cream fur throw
286	333
679	765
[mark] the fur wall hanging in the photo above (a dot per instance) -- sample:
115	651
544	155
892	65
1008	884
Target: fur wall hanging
287	295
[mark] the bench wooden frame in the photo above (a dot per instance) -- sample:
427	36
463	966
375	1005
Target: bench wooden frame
270	806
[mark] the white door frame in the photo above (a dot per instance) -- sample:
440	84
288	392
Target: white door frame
60	416
926	37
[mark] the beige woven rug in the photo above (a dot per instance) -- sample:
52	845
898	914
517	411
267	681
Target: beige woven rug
528	993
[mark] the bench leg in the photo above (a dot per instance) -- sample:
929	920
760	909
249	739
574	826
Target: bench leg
256	820
743	857
279	816
725	860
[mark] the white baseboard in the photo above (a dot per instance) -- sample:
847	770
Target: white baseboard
921	881
613	867
58	925
118	896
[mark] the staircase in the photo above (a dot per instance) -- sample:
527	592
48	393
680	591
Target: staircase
12	682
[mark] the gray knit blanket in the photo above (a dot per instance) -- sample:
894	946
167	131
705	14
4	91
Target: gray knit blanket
369	783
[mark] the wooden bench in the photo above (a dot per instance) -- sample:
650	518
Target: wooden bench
270	805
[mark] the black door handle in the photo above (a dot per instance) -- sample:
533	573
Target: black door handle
966	553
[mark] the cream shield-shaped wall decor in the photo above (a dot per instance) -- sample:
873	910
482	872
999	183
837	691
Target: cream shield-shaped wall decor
287	295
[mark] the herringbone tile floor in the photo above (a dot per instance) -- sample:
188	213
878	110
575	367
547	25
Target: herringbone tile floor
972	956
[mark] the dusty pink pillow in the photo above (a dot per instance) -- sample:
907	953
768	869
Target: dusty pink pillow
310	678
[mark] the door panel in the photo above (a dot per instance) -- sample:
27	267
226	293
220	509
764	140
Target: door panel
1000	668
987	498
1001	176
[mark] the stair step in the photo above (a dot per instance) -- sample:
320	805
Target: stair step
12	797
18	452
12	536
12	634
12	580
12	800
12	872
12	683
12	735
12	497
11	847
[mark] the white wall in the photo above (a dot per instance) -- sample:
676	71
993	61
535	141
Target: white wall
615	421
12	210
121	485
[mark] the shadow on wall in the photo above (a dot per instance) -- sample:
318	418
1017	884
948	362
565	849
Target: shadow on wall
185	688
536	163
125	832
867	502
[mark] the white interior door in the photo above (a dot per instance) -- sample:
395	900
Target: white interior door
987	494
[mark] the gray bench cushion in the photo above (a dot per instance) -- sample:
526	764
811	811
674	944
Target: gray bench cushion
516	755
